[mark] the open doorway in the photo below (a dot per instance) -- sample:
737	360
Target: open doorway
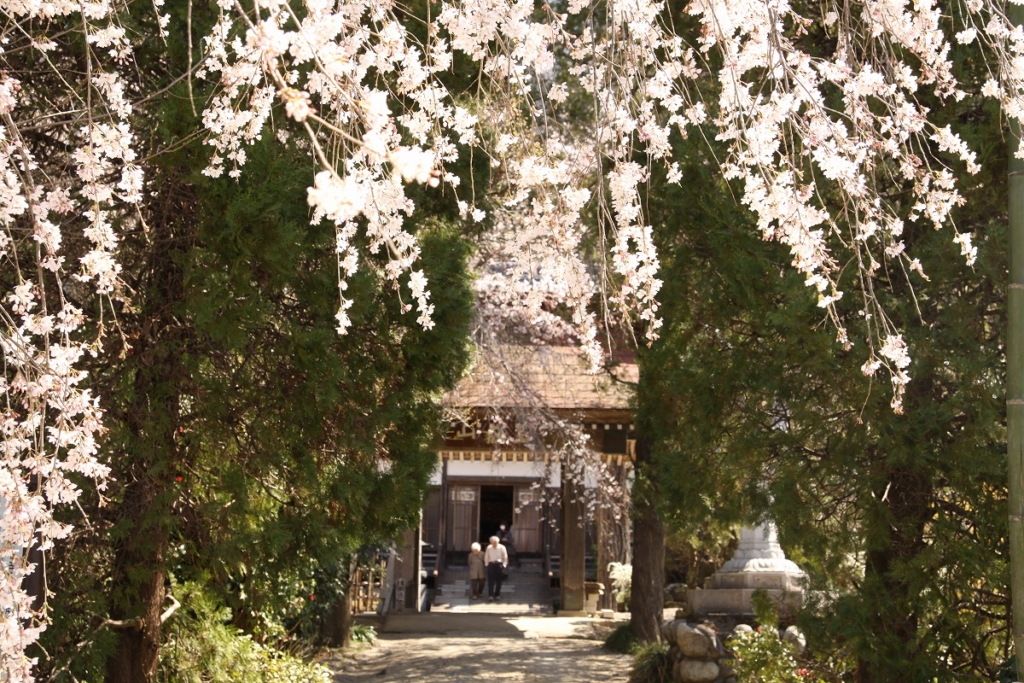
495	509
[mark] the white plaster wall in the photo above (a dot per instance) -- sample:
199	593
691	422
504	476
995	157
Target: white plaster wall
490	468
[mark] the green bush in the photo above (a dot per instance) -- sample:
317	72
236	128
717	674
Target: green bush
622	639
651	664
203	647
363	633
761	656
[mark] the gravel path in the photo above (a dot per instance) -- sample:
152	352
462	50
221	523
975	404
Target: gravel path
462	648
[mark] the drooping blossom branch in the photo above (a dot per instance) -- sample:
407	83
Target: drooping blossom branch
82	187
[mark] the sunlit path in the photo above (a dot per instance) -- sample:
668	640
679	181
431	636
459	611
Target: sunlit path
523	593
456	648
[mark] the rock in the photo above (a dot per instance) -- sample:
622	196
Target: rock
721	647
742	628
696	671
712	635
675	592
668	631
708	630
795	639
695	643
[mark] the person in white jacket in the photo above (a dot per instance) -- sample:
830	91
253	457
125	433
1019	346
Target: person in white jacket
496	559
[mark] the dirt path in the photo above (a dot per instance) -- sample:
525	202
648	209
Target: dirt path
463	648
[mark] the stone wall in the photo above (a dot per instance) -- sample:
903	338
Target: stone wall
699	653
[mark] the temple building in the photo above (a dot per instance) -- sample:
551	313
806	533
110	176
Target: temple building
520	421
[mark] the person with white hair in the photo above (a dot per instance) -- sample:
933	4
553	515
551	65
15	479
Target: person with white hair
496	559
476	572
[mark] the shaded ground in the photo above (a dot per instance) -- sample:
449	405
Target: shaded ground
465	648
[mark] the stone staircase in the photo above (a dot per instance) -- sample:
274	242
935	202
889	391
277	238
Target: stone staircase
527	591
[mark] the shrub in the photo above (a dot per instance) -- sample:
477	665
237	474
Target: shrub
363	633
622	639
761	656
651	664
203	647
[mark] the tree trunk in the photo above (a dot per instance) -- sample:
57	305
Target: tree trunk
140	535
140	564
337	627
895	531
345	618
150	454
648	585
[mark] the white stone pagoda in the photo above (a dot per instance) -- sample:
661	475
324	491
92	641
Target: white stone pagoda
759	564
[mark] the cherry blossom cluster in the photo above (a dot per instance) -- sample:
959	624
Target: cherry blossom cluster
534	284
792	143
363	89
79	195
515	416
819	143
532	70
339	70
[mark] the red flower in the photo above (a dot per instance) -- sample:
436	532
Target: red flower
803	672
179	479
312	597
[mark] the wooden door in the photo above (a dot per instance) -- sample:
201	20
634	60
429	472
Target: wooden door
526	534
462	515
432	519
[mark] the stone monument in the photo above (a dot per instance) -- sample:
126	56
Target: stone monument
759	564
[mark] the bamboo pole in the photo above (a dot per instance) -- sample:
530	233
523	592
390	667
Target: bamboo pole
1015	376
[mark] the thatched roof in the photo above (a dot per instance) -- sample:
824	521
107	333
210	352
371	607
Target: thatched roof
554	377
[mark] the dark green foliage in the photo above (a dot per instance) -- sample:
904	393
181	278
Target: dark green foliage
622	639
254	449
291	444
651	664
899	519
202	646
